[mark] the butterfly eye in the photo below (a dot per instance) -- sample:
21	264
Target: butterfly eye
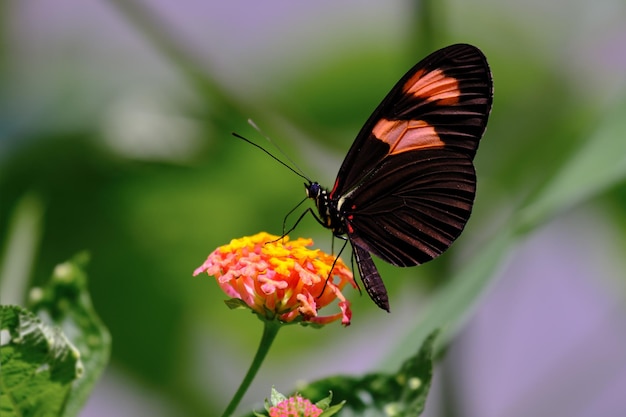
313	190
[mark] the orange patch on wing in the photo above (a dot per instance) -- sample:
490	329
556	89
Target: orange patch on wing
406	135
433	86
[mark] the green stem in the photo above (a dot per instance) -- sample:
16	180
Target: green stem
270	330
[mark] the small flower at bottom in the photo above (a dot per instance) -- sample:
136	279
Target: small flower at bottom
295	407
298	406
279	278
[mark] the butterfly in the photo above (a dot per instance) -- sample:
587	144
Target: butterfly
405	190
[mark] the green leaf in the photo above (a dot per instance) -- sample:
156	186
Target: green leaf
399	394
235	303
333	409
66	303
276	397
324	403
52	355
378	394
38	365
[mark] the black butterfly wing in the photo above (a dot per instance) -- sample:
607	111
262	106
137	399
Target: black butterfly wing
409	211
443	101
406	187
412	206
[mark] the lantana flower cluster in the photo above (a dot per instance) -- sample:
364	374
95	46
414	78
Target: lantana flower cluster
281	279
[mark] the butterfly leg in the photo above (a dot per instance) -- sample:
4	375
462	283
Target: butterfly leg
291	229
289	214
330	274
308	210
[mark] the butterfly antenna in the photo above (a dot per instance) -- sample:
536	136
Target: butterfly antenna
256	145
283	153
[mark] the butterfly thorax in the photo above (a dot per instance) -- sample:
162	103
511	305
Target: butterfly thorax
329	214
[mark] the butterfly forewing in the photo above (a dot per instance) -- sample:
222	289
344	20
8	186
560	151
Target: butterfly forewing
443	101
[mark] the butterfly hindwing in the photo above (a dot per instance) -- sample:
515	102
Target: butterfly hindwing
413	207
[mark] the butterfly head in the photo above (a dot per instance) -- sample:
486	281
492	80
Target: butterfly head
313	190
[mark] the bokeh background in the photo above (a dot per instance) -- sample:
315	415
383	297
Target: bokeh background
115	122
